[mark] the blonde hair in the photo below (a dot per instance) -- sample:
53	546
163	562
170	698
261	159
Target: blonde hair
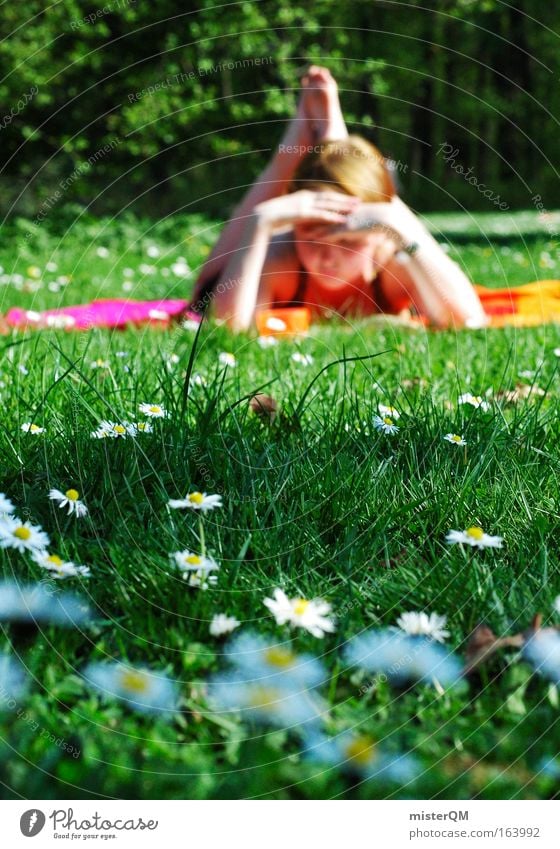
353	165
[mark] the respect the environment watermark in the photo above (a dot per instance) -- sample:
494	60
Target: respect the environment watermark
201	71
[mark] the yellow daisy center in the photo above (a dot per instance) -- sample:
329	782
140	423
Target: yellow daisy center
34	428
141	425
277	656
72	494
22	533
263	697
300	606
119	429
360	750
196	497
134	681
193	559
477	399
155	409
475	533
55	560
387	420
456	438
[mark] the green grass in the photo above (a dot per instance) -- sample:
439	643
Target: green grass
317	503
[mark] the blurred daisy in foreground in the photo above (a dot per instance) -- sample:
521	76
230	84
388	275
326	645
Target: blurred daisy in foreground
30	427
222	624
474	401
70	499
557	604
420	624
141	689
257	701
227	359
6	505
196	501
33	603
402	658
188	561
392	412
542	651
556	352
302	359
23	536
474	536
360	754
13	680
301	613
60	568
102	252
268	662
154	411
385	424
455	439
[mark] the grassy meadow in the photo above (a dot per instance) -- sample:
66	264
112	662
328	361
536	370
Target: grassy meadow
315	502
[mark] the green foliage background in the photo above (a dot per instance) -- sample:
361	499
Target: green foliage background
478	74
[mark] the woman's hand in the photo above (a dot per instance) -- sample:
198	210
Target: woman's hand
319	207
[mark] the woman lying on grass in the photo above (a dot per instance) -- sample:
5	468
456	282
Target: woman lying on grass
323	226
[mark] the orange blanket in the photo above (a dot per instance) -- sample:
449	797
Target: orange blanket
524	306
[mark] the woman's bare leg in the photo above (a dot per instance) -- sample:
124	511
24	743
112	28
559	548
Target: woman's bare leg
318	117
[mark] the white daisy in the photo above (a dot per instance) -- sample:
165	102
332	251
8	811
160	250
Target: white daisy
154	411
22	536
13	678
274	663
404	658
385	424
71	499
299	612
420	624
474	536
201	580
29	427
392	412
59	567
223	624
143	427
266	341
360	754
196	501
99	363
455	439
152	251
188	561
35	604
198	380
102	252
556	352
227	359
474	400
180	267
142	689
190	324
114	430
557	604
302	359
6	505
273	704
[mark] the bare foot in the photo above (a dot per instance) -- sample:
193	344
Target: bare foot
320	104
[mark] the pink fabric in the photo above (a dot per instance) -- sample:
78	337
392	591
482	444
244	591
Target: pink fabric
109	313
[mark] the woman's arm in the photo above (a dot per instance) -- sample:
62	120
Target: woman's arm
318	117
445	293
237	291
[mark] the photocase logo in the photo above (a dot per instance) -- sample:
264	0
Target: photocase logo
32	822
